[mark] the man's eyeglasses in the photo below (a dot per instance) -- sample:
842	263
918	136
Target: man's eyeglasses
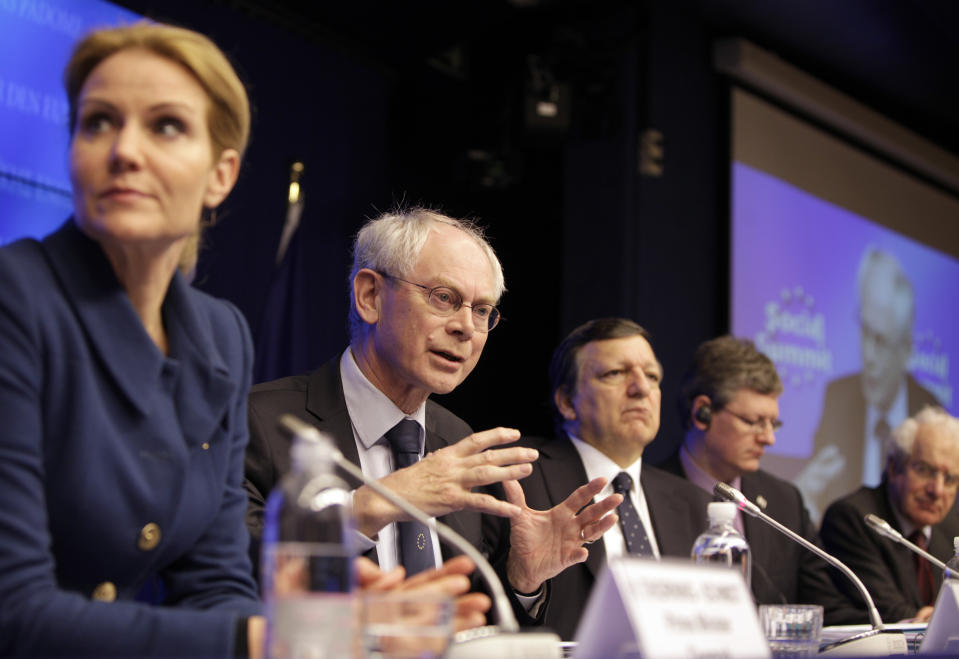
445	301
757	426
927	472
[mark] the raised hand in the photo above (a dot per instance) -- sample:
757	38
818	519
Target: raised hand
441	482
543	543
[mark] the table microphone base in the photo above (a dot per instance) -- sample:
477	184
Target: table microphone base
873	643
487	642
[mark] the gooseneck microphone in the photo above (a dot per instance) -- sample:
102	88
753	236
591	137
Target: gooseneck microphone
883	528
504	611
728	493
503	641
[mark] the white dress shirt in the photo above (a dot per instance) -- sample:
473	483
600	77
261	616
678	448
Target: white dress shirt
372	414
873	456
596	464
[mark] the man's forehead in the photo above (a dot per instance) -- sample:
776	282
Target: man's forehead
934	443
452	258
757	397
627	350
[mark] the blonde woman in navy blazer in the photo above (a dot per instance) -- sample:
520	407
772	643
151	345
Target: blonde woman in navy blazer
123	389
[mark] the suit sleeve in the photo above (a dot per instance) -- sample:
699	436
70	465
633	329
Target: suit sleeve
260	474
496	534
846	536
37	617
816	585
494	531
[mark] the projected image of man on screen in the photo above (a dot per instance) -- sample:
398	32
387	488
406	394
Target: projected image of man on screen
860	409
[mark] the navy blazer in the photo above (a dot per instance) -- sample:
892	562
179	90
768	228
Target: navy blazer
120	468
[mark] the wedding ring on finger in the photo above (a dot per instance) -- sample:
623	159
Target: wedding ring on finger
582	536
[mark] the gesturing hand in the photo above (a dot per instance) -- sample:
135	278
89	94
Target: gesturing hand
441	482
543	543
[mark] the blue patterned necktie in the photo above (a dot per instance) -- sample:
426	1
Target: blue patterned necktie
637	542
416	548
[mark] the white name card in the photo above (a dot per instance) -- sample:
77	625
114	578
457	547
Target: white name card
670	608
942	634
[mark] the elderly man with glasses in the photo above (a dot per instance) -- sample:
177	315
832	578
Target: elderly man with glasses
861	408
916	497
729	407
423	294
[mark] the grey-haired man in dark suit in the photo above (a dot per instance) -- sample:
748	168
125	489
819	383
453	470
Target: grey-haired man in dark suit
423	292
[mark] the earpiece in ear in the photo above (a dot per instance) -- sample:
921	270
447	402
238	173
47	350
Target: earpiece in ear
704	414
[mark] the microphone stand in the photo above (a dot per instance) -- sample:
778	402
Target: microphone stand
503	641
860	645
882	527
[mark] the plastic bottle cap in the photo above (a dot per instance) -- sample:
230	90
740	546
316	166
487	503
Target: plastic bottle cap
721	512
305	453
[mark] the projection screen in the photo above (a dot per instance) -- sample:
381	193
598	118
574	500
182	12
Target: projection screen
844	262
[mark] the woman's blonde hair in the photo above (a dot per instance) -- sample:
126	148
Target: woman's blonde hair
228	119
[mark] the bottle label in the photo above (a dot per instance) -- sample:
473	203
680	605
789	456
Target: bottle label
294	568
314	625
729	549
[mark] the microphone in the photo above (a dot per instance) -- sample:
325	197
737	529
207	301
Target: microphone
883	528
724	491
478	642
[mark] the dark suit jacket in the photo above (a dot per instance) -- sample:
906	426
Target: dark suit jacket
886	569
318	399
783	570
843	423
677	509
100	435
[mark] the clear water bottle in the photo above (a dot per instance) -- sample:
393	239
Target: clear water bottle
721	543
953	563
306	564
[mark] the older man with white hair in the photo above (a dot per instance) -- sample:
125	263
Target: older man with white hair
916	496
860	409
423	295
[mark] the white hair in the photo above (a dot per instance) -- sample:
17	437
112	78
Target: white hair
902	440
391	244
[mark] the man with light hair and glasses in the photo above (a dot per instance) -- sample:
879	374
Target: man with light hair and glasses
860	409
915	496
728	404
423	295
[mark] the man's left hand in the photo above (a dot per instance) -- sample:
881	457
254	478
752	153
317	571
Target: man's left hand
543	543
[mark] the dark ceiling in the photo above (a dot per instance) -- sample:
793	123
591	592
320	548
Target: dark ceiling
899	56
